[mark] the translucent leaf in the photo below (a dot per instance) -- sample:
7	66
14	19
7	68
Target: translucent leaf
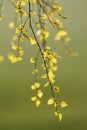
56	89
38	102
60	117
63	104
50	101
34	98
39	93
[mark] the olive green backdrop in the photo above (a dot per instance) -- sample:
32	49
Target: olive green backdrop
17	112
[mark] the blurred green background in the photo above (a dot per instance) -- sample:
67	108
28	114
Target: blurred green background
17	112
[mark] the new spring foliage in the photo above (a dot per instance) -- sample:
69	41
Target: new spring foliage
32	18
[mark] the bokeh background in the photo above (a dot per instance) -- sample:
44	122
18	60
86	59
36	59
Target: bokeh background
17	112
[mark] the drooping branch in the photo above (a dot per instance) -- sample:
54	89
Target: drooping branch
33	18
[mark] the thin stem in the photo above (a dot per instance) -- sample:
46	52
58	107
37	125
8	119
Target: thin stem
30	23
54	9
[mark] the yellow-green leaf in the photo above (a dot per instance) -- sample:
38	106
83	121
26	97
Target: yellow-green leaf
63	104
60	117
50	101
